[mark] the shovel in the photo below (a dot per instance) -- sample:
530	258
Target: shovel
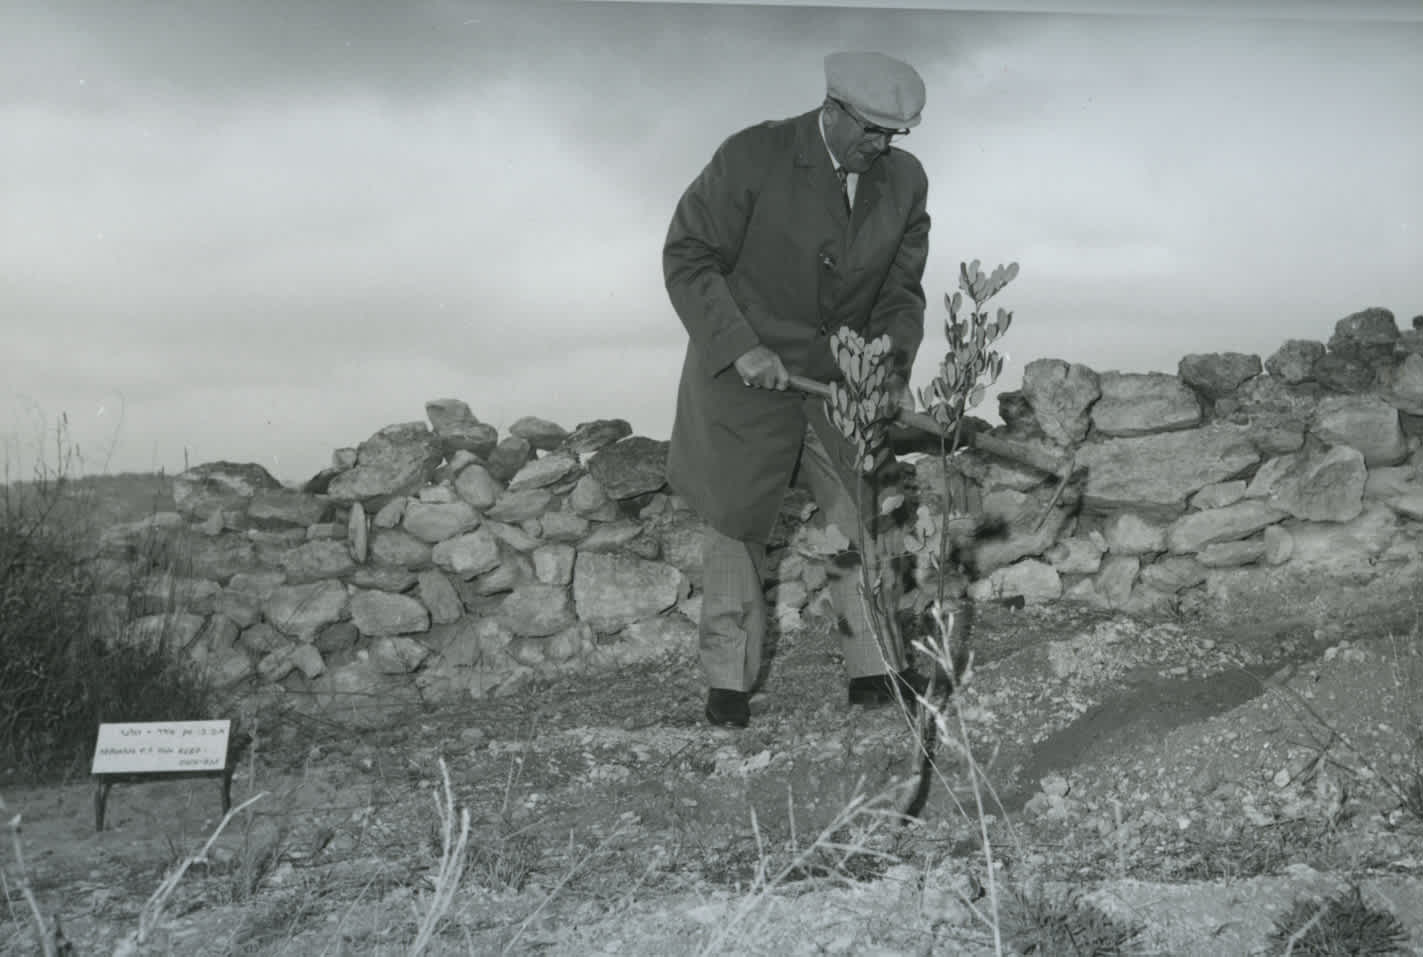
1013	452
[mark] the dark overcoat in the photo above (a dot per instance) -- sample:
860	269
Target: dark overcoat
760	251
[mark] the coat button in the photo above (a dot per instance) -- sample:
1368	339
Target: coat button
821	331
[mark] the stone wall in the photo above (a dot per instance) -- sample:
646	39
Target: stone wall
440	561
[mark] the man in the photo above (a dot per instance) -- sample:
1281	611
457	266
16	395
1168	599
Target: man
795	228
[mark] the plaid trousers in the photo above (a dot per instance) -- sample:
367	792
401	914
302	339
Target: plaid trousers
734	619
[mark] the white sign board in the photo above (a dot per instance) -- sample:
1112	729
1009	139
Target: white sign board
160	746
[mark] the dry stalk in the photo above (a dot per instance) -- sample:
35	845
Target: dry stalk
22	881
452	861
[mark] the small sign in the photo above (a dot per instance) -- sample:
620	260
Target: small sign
161	746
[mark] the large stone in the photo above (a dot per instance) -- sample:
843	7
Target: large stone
440	597
508	457
543	472
397	654
383	578
164	591
360	697
1219	495
553	564
398	547
303	610
1335	548
389	514
563	526
631	467
358	532
1036	582
215	486
433	523
611	536
1061	395
513	536
513	570
1233	554
317	560
1195	530
476	486
397	460
1343	374
1157	473
1019	514
1173	574
469	555
281	508
1294	361
592	436
513	507
1402	385
171	631
612	591
1317	484
1142	403
588	499
458	429
681	536
1364	422
1114	582
1218	374
382	613
1367	335
1078	555
1275	415
537	610
540	433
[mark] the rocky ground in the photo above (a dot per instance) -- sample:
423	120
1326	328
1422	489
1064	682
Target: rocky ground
1189	779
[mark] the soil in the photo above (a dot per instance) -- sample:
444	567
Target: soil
1190	778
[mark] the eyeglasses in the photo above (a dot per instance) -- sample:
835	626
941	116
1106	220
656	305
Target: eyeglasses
869	128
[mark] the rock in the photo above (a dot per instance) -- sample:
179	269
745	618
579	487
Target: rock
397	547
610	536
553	564
543	472
457	428
383	578
219	634
630	467
1275	415
282	508
592	436
511	572
513	507
317	560
1017	415
440	597
1342	374
397	655
173	631
1142	403
358	533
336	638
513	536
294	656
1218	374
680	535
436	523
1294	361
358	696
1114	582
1020	513
1366	423
1337	549
508	458
1156	473
1173	574
565	645
1035	581
588	497
563	527
539	433
612	591
1402	385
214	486
1219	495
476	486
469	555
389	514
326	531
227	669
1279	545
1078	555
1367	335
651	638
435	495
1318	484
1195	530
1061	396
536	610
1232	554
379	613
302	610
397	460
262	638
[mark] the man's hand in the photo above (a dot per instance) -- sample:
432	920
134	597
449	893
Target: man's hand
763	369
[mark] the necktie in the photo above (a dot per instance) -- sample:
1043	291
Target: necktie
843	175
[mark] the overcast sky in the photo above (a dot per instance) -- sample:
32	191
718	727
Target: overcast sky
260	232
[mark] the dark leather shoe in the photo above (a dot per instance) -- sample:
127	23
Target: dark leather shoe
875	691
729	709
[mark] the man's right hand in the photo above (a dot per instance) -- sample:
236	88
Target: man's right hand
763	369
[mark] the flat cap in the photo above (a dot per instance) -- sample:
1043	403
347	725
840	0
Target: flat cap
885	91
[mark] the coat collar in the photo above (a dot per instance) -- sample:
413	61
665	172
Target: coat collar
813	156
